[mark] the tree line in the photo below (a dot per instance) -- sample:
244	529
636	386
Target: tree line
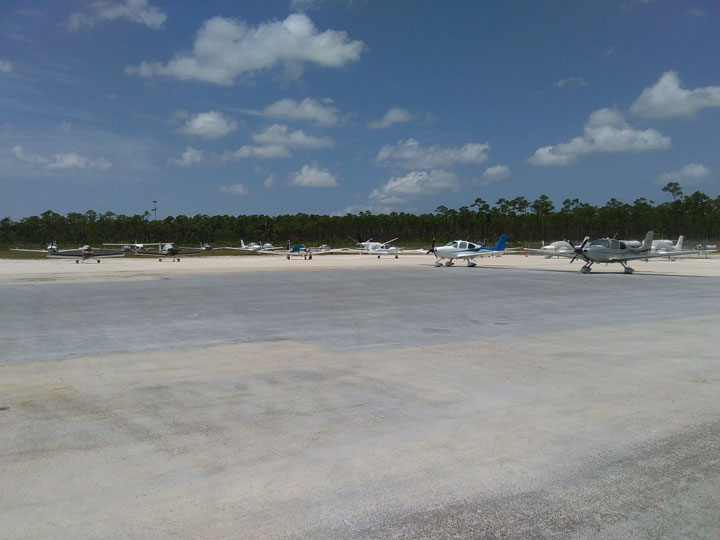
697	216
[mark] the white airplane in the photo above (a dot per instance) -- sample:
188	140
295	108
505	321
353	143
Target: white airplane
168	250
381	248
552	249
80	254
253	247
464	250
301	250
609	250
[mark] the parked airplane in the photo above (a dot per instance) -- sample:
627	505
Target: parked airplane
253	247
381	248
461	249
609	250
168	250
300	250
81	253
553	249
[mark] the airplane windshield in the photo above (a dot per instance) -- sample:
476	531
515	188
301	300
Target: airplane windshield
603	243
452	244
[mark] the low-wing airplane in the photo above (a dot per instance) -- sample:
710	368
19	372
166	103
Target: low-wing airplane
464	250
80	254
658	245
168	250
553	249
609	250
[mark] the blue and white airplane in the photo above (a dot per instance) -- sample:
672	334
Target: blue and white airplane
463	250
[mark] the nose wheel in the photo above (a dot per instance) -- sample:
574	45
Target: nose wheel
585	269
628	270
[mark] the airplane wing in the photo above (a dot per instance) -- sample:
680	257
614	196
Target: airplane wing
547	253
90	255
654	255
30	250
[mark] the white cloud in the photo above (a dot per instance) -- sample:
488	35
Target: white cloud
137	11
690	174
667	100
493	174
313	176
307	109
415	184
189	157
411	155
209	125
5	66
64	160
281	136
570	81
269	181
606	131
262	152
225	49
396	115
234	189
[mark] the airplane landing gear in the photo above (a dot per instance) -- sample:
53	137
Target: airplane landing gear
585	269
449	263
98	261
378	256
628	270
438	263
396	256
471	264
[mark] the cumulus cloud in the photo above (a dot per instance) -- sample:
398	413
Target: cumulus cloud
493	174
137	11
396	115
398	190
64	160
189	157
225	49
313	176
606	131
209	125
666	99
269	181
234	189
280	135
5	66
252	151
411	155
690	174
307	109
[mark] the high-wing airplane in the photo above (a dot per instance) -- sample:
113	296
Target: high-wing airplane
609	250
368	247
464	250
300	250
80	254
253	247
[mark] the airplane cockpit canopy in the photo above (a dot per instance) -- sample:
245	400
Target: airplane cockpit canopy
452	244
603	242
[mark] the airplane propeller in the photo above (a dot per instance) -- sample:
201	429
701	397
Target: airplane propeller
432	249
579	251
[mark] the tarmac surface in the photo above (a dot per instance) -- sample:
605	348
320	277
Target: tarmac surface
384	399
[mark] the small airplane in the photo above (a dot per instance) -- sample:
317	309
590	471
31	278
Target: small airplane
80	254
368	247
253	247
464	250
610	250
168	250
300	250
553	249
658	245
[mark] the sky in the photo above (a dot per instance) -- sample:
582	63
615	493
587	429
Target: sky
332	106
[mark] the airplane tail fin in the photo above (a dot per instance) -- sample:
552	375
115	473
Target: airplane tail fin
500	246
242	243
288	245
679	244
647	243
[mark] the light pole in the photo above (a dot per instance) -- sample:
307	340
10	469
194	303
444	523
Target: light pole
155	209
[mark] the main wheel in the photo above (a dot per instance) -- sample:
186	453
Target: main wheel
628	270
585	269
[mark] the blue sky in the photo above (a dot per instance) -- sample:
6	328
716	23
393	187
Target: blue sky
320	106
